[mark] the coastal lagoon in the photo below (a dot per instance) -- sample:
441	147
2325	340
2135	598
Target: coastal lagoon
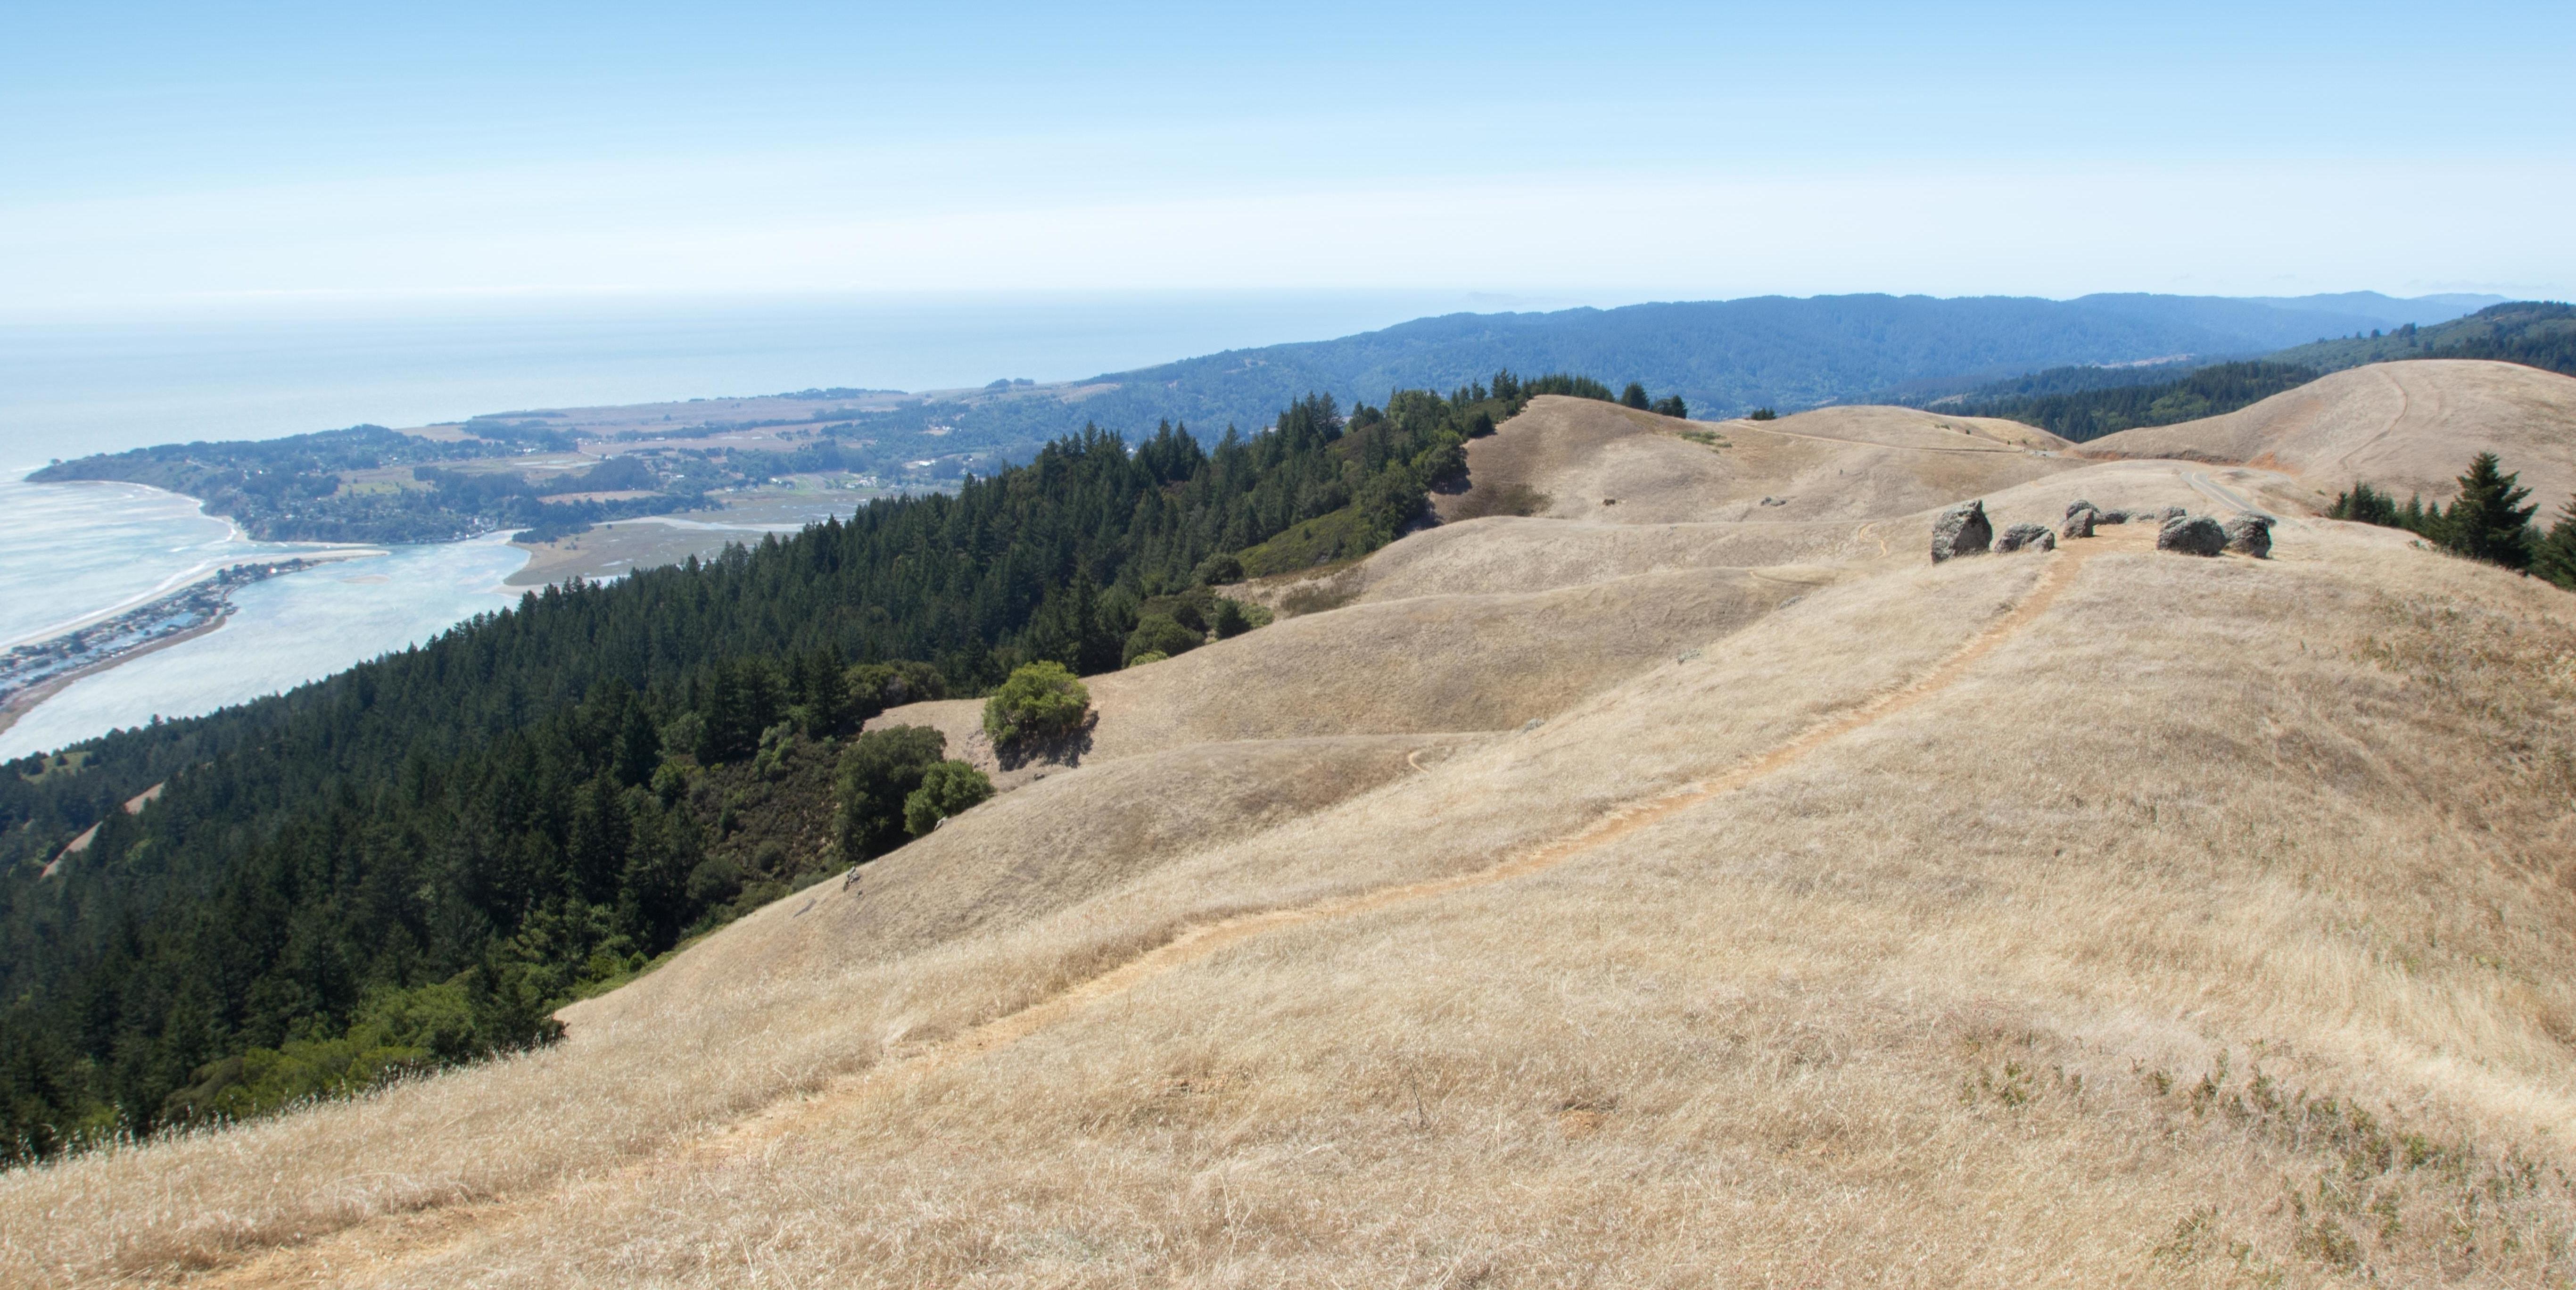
284	632
79	550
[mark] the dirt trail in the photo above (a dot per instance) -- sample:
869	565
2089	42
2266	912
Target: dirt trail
386	1245
2001	448
2202	484
2405	403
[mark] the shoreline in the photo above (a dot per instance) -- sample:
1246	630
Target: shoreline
234	535
181	582
19	705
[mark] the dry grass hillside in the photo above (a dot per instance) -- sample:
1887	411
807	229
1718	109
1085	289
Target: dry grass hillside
2404	428
1577	459
1726	901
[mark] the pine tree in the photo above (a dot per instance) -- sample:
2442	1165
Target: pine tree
2554	555
639	746
597	841
1634	396
2488	521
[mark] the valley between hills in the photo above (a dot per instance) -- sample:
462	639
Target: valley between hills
1656	872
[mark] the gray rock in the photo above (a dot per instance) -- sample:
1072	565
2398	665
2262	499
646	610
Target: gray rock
2110	517
2168	514
2026	537
2250	535
1961	530
2079	524
2079	504
2191	535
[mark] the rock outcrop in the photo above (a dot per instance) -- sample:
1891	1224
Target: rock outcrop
2079	504
2191	535
2079	524
2026	537
2250	535
1961	530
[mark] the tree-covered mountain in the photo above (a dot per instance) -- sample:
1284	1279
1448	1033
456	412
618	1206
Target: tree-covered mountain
2535	333
414	861
2271	323
2385	311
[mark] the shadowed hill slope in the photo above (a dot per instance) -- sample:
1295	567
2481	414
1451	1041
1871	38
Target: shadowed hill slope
2033	918
2402	427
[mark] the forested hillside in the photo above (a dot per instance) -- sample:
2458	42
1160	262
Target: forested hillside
2530	332
414	861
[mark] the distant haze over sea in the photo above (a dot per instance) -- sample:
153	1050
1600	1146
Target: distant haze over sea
72	388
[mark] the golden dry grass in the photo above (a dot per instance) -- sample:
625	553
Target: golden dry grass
2406	427
2100	917
1604	463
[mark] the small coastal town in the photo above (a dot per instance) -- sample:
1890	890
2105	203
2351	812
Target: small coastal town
30	671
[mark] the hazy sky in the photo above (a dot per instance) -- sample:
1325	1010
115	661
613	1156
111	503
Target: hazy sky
217	157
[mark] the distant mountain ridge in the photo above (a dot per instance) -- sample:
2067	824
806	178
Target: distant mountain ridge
1722	357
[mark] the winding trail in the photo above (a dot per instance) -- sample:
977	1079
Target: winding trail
2001	448
389	1245
2405	404
2202	484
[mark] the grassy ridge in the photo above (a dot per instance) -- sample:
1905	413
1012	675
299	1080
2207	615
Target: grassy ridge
2081	403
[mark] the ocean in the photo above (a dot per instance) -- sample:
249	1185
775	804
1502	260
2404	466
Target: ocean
69	388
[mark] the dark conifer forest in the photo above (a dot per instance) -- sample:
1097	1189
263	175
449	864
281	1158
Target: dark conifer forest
2083	414
413	862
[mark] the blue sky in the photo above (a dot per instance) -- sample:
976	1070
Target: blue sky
214	157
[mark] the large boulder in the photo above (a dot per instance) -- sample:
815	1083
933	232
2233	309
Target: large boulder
2079	504
2164	514
2110	517
1961	530
2079	524
2250	535
2191	535
2026	537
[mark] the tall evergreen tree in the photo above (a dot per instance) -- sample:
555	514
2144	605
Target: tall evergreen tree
2554	555
2488	520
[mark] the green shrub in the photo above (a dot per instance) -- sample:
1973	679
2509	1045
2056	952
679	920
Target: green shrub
1229	620
1160	634
715	881
871	688
1762	414
1041	701
947	788
879	770
1219	569
1149	656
